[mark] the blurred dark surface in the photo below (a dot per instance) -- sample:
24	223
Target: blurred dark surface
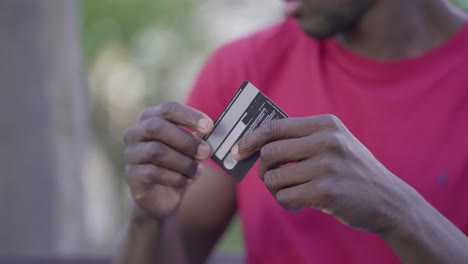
53	261
217	258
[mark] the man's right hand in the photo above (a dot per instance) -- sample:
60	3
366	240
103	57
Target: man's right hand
162	159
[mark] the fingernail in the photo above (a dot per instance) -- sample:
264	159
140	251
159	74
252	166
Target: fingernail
204	123
199	170
235	152
327	211
203	151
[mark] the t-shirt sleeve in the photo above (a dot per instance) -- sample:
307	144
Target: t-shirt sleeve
220	77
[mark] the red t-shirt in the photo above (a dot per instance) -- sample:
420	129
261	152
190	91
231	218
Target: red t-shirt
412	115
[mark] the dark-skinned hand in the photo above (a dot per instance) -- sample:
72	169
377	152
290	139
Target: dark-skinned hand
316	162
162	158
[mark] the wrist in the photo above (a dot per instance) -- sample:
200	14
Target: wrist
424	235
410	207
139	217
398	208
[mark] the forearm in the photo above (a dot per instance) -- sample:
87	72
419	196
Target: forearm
426	236
146	240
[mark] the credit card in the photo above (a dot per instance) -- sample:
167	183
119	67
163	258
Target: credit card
248	109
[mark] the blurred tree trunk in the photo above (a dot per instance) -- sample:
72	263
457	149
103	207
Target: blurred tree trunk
42	129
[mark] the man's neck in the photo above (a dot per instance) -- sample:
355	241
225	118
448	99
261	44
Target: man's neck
398	29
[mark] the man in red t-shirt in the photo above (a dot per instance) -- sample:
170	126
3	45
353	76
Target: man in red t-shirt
377	91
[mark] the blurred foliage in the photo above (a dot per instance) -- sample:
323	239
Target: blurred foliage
232	240
107	24
461	3
106	21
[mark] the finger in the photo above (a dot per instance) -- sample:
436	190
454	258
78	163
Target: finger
143	176
162	155
282	129
195	133
316	194
159	129
281	152
299	173
180	114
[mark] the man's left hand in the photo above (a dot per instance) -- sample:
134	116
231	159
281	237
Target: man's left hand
316	162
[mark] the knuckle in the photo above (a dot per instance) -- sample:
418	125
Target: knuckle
127	135
284	198
128	172
152	171
190	167
127	156
150	175
271	128
287	201
334	143
179	181
169	109
154	126
328	166
145	114
332	121
326	194
139	175
267	153
323	188
190	141
271	180
156	151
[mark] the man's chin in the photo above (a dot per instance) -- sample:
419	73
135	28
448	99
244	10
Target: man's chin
316	32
